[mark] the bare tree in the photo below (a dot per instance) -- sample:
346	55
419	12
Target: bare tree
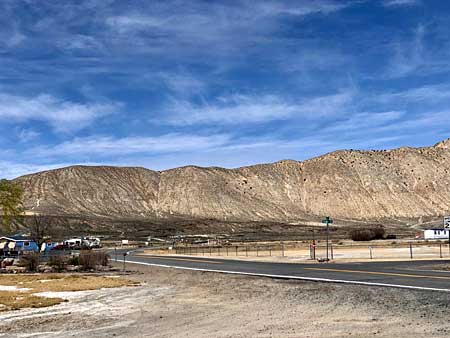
41	227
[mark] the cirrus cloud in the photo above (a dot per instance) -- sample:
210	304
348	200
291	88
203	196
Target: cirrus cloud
63	116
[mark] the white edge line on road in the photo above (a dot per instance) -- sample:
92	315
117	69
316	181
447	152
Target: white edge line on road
314	279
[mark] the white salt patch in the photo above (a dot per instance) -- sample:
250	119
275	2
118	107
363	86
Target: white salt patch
13	288
64	294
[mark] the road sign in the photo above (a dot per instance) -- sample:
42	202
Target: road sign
447	222
328	220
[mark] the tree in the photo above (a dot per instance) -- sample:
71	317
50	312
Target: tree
41	228
11	206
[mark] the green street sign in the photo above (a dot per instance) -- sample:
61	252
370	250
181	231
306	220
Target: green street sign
327	220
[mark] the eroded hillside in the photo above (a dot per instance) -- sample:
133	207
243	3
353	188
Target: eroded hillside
356	185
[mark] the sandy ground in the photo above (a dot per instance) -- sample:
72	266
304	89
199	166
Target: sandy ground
176	303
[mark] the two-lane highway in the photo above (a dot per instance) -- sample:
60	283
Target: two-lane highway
421	275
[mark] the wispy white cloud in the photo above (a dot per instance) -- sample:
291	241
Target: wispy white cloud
302	8
12	169
62	115
182	83
397	3
104	146
229	27
311	59
408	55
236	109
26	135
429	93
366	122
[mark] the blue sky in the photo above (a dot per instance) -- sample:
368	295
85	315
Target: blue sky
162	84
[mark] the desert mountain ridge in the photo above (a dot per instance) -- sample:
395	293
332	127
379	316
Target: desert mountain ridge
403	183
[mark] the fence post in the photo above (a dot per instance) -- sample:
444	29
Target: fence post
246	251
236	250
332	251
282	249
227	251
218	251
210	251
440	250
270	251
257	252
410	250
370	250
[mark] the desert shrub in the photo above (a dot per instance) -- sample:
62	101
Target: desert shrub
103	258
362	235
30	261
368	234
379	232
90	260
74	260
87	260
58	262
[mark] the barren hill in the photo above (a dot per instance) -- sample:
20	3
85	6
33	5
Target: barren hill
405	183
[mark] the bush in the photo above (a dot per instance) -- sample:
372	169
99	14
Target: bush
103	258
30	261
367	234
379	232
74	260
58	262
90	260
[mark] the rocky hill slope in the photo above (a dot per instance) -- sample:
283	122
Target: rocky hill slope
405	183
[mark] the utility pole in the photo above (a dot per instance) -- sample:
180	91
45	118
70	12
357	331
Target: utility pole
328	221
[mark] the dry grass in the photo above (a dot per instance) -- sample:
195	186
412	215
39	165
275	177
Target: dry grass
13	300
63	282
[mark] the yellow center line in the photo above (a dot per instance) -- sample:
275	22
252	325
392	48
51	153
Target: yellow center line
380	273
181	259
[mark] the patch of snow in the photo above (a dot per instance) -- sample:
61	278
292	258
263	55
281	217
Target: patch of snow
107	303
65	294
13	288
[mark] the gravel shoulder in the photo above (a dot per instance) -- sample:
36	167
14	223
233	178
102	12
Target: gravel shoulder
176	303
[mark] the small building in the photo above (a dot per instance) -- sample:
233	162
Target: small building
16	245
438	233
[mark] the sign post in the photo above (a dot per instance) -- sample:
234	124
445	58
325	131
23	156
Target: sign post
125	254
328	221
447	227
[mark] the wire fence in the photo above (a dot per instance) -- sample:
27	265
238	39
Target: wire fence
373	251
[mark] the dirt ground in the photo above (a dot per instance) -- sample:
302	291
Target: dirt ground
176	303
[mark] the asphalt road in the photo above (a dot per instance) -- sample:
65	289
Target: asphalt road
408	274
